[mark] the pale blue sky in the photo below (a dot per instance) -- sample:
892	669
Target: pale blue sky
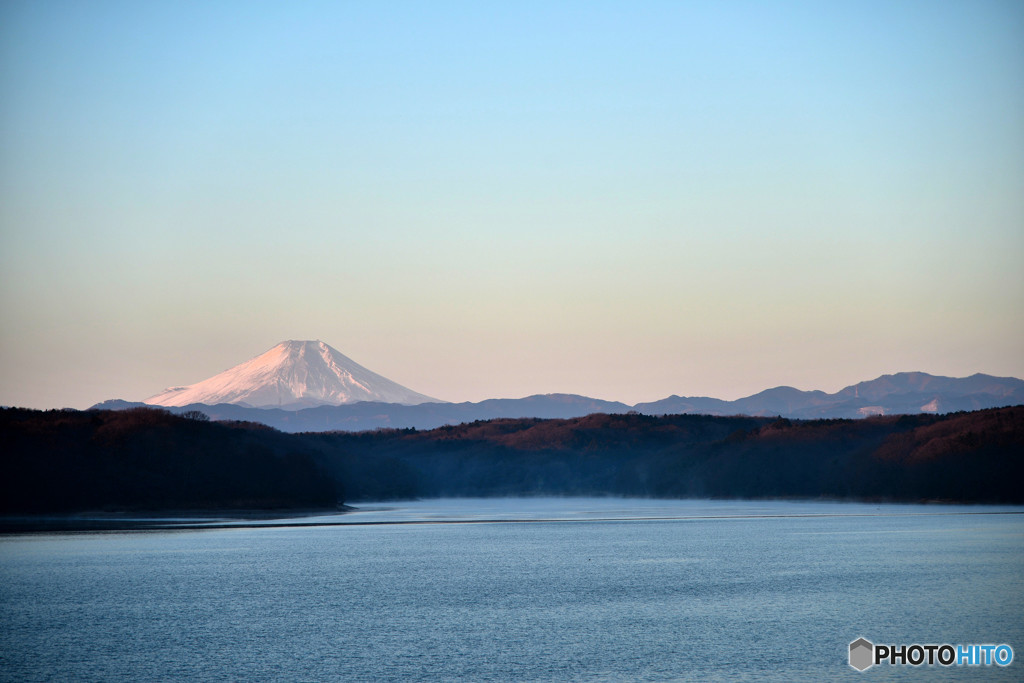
624	200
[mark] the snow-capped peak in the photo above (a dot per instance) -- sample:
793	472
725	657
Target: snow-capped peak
292	374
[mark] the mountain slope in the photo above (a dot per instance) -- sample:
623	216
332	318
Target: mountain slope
293	374
922	382
366	415
902	393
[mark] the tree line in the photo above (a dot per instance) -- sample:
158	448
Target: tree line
149	459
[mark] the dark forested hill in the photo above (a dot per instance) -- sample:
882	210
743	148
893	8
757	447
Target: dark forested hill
149	459
977	456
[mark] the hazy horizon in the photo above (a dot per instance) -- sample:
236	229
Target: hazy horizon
615	200
221	386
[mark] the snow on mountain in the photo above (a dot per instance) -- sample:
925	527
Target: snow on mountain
293	374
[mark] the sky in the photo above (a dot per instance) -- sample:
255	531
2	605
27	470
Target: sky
496	199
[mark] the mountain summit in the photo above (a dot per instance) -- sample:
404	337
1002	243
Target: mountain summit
293	374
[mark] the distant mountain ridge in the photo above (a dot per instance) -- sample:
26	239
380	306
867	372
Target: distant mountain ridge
901	393
366	415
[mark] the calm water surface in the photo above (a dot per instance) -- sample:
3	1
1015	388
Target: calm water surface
521	589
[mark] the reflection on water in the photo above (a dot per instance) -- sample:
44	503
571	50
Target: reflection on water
662	590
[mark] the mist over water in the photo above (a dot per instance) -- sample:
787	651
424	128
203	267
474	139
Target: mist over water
550	589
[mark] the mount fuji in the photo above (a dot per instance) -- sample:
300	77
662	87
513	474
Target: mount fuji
292	375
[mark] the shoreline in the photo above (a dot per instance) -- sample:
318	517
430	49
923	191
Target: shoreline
211	519
153	520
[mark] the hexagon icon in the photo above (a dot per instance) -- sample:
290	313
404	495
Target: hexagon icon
862	654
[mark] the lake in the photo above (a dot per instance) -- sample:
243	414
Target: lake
534	589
